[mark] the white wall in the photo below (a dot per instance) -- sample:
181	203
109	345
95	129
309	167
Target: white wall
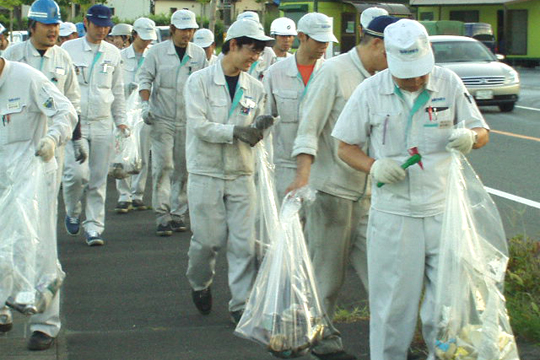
130	9
163	7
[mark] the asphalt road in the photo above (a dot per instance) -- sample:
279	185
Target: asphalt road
509	163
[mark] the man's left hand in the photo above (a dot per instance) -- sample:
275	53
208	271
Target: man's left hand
462	140
124	129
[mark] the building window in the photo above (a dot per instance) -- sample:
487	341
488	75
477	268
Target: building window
465	15
112	11
427	16
173	10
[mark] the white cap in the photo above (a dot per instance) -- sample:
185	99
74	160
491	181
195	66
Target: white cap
67	28
121	29
283	26
248	28
252	15
145	28
318	26
184	19
203	37
408	50
370	14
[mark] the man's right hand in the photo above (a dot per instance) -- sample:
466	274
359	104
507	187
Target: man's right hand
387	171
79	151
146	115
248	134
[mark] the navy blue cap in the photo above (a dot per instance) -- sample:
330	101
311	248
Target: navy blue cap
100	15
376	26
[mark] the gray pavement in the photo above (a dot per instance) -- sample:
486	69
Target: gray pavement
130	300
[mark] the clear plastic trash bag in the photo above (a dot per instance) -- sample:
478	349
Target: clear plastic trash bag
472	321
283	312
127	158
30	272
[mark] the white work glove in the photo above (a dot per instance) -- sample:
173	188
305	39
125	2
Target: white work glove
146	115
45	148
79	151
387	171
248	134
263	122
462	140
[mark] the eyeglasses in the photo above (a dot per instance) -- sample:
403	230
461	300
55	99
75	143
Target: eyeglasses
252	50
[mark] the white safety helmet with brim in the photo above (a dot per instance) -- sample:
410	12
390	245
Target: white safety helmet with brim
203	38
369	14
145	28
252	15
67	28
318	27
408	49
247	28
121	30
184	19
283	26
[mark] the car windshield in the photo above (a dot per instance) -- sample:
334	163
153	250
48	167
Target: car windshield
461	51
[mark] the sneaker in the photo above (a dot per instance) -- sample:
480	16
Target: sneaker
40	341
122	207
73	225
202	300
6	320
138	205
93	238
164	230
338	355
178	225
236	316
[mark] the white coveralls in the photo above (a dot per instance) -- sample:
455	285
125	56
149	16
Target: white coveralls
285	90
164	74
27	100
56	65
132	188
102	107
336	222
221	190
406	217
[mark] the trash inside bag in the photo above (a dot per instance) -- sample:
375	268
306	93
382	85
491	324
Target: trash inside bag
127	159
30	272
283	312
472	320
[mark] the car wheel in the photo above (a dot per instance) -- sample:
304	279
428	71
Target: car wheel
507	107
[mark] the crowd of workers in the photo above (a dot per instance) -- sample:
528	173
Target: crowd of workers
335	125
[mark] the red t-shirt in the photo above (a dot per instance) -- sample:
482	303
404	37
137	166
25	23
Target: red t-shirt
305	71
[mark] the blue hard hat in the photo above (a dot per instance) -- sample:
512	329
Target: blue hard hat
45	11
80	29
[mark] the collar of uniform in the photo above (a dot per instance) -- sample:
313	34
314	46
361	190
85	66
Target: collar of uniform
5	71
353	53
130	52
219	76
172	50
292	71
86	45
34	52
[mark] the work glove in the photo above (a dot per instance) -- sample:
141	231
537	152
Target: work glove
462	140
145	113
79	151
45	148
124	130
132	87
263	122
387	171
248	134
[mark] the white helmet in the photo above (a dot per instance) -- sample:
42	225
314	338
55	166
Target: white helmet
121	29
283	26
370	14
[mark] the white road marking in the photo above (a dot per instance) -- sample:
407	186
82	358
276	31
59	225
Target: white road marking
527	108
515	198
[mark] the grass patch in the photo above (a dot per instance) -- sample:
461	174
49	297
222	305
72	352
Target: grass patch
357	313
522	288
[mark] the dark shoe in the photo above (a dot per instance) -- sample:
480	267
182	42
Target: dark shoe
40	341
164	230
123	207
202	300
6	321
138	205
73	225
93	238
339	355
236	316
178	225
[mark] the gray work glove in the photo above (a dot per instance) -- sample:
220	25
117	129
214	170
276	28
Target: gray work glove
263	122
45	148
462	140
387	171
145	113
248	134
79	151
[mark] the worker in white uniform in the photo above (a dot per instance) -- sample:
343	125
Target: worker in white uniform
131	189
336	222
162	81
412	104
223	103
121	35
205	39
68	31
27	101
42	53
98	66
284	30
286	84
